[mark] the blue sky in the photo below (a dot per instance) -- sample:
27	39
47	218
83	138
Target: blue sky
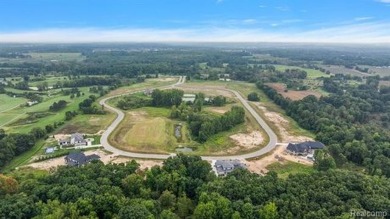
355	21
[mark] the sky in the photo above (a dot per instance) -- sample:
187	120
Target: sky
319	21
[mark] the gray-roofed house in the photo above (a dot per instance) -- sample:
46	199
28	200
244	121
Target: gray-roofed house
304	148
75	139
223	167
79	158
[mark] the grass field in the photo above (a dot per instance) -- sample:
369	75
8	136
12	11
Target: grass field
311	73
17	115
153	82
89	124
7	102
49	80
287	167
146	130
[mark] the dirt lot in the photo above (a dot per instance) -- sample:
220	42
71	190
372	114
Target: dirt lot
207	90
104	157
278	155
281	124
293	95
248	140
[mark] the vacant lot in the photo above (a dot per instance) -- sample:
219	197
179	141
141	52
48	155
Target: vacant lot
90	124
146	130
293	95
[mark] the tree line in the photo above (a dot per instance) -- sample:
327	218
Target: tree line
185	187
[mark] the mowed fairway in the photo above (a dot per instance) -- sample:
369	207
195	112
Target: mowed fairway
7	103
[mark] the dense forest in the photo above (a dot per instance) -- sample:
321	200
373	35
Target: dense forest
185	187
353	123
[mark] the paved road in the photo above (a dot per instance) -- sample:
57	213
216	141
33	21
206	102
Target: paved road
104	140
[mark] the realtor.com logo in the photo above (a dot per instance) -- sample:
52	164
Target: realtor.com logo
362	213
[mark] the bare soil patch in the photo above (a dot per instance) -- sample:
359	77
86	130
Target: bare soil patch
281	124
292	94
278	155
249	140
104	157
208	90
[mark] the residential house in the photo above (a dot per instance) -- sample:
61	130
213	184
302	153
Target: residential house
75	139
223	167
79	158
304	148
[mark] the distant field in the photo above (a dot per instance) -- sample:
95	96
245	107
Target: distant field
57	56
292	94
311	73
49	80
162	81
335	69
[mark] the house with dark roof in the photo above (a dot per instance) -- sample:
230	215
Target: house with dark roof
79	158
223	167
304	148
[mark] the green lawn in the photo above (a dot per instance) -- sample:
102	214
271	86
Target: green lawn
287	167
7	102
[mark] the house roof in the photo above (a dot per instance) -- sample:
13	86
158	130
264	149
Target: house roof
77	137
227	166
79	158
302	147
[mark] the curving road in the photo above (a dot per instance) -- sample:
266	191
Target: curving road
120	116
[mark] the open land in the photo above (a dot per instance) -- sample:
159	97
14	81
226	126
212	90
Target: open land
292	94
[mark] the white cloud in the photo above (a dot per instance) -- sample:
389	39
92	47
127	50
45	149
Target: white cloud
282	8
374	32
383	1
363	18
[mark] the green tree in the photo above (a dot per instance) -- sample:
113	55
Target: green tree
268	211
253	97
